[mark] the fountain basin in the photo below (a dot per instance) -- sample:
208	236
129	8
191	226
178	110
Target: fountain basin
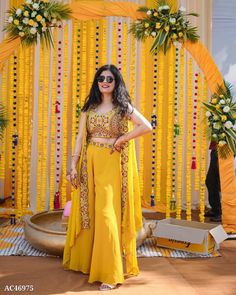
45	232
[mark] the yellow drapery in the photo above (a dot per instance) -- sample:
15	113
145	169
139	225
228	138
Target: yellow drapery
228	191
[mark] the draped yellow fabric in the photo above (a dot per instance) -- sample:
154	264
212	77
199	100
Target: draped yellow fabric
206	63
131	221
7	47
86	10
228	190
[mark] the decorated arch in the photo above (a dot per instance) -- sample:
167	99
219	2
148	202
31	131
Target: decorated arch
38	142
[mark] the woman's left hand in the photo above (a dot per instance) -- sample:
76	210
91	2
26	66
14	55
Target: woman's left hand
119	144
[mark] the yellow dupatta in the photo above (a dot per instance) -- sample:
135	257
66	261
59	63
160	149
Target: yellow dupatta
131	205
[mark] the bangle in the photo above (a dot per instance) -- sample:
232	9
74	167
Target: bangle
75	155
132	111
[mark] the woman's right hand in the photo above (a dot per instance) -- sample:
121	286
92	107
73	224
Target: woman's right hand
73	177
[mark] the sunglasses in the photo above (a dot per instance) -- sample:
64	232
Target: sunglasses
108	79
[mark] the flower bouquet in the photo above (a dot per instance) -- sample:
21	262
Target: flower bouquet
164	26
36	17
221	116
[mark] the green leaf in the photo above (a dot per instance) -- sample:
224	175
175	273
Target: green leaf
3	120
210	107
231	144
231	133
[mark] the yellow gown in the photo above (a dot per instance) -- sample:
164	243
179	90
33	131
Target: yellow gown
106	209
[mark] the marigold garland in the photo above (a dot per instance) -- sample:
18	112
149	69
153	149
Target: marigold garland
26	127
103	41
3	151
114	43
132	67
142	108
20	130
170	130
91	51
160	100
75	81
83	73
46	53
189	138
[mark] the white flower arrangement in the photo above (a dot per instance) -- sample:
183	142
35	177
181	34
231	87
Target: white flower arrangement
170	26
36	17
221	119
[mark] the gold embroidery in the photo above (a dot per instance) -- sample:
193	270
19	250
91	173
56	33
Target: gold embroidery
112	123
106	125
99	144
84	212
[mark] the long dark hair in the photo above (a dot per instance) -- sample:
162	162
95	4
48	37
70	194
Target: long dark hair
120	95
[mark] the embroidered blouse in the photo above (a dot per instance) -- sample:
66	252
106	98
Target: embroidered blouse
106	125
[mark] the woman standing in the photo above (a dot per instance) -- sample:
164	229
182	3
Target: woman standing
106	208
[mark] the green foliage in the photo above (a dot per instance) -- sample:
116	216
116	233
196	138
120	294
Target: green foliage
3	120
164	26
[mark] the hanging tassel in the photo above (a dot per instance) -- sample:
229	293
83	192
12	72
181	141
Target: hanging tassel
172	203
152	200
194	165
57	110
57	200
176	129
78	110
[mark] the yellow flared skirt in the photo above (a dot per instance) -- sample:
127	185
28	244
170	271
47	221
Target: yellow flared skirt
97	250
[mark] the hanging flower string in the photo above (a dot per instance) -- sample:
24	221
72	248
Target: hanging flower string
59	122
114	43
78	108
193	166
14	141
154	124
180	136
176	131
36	18
119	41
164	26
97	47
221	116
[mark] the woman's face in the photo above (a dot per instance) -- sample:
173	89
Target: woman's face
106	82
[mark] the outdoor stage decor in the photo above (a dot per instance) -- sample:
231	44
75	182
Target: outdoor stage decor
43	89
